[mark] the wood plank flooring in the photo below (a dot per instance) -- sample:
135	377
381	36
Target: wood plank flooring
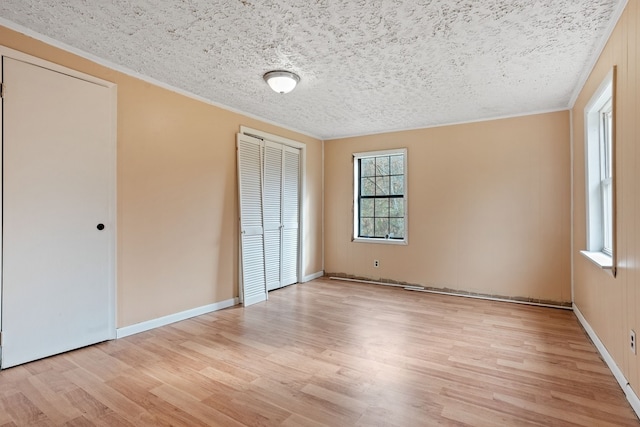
331	353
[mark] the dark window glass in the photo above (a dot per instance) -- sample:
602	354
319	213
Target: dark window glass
381	197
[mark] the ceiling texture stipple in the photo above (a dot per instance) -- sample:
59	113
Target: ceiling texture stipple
365	66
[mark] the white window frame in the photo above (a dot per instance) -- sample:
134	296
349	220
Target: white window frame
356	198
599	122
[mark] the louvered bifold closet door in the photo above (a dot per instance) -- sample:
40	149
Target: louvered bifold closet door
253	287
290	215
272	219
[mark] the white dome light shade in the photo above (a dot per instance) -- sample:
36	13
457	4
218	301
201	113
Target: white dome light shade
281	81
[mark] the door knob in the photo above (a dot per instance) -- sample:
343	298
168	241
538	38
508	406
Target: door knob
100	227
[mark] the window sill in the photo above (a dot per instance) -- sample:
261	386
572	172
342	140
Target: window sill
600	259
381	241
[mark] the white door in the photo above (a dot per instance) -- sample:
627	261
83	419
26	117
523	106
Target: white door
252	282
281	171
58	227
269	188
290	215
272	217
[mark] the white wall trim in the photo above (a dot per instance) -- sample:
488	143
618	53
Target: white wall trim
129	72
322	206
313	276
172	318
440	125
111	65
34	60
572	208
632	397
245	130
599	47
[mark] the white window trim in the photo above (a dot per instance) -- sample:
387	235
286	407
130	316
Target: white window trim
595	250
356	178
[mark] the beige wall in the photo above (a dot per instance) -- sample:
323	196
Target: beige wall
177	198
489	208
612	306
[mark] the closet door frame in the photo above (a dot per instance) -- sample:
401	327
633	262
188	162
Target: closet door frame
244	130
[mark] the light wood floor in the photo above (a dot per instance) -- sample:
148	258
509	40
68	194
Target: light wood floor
331	353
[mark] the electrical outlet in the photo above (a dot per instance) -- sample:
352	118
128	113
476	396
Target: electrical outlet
376	263
632	342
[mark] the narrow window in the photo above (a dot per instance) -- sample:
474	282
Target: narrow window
600	174
380	196
606	175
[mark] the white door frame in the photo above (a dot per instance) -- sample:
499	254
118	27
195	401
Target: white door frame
303	177
112	214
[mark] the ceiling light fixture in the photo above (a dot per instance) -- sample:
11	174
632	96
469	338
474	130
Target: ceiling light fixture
281	81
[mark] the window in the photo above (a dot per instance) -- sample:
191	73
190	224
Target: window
380	196
606	117
599	134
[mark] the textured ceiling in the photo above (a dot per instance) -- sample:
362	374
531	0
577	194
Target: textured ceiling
365	66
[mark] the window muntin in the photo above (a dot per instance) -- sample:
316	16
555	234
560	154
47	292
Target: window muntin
380	196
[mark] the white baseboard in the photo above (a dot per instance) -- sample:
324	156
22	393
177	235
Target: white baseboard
313	276
172	318
632	397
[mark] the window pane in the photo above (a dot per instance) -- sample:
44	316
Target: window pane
397	165
382	207
366	227
366	208
382	186
606	135
396	208
609	137
607	203
368	167
382	227
382	165
397	185
396	228
368	187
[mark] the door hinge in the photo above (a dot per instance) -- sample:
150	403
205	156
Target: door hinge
1	90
